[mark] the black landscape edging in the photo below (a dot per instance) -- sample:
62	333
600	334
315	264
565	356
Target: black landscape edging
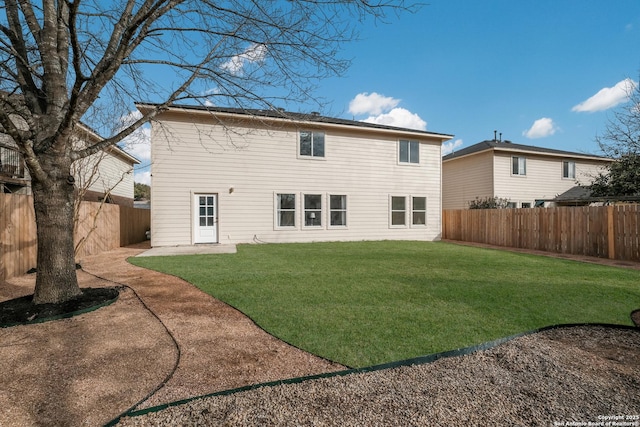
421	360
64	315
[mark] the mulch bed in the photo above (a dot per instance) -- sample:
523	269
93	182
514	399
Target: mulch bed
22	310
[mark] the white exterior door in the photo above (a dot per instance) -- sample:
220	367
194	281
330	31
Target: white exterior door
205	223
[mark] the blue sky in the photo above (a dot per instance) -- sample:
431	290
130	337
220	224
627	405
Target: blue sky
546	72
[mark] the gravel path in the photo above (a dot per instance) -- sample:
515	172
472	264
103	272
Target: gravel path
573	375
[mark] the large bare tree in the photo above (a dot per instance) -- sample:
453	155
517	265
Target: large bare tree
64	62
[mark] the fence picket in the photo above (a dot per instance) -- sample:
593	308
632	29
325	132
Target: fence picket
18	231
570	230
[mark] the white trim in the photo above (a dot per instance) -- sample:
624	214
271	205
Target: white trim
426	211
406	211
346	211
195	217
276	210
303	211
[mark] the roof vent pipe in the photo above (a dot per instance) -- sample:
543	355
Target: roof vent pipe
494	135
500	136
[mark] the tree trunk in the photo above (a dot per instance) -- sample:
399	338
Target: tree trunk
56	280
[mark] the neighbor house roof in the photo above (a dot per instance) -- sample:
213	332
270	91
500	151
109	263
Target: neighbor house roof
282	115
508	146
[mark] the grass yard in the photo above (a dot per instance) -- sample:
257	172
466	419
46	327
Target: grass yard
364	303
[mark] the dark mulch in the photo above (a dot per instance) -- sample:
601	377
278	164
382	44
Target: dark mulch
22	310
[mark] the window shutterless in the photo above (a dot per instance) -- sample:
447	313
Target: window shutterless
398	210
418	211
518	165
338	210
409	151
312	210
286	210
311	143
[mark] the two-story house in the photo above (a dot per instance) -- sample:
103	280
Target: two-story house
525	175
222	175
105	175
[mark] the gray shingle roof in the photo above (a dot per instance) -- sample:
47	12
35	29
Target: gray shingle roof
510	146
307	117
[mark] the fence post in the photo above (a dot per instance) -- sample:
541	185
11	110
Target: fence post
610	233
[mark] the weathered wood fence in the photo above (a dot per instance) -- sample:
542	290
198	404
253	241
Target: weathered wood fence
101	227
606	231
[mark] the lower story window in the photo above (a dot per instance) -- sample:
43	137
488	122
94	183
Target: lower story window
398	210
286	210
338	210
419	210
312	210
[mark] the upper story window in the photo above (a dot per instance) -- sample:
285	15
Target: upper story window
519	166
409	151
569	169
311	143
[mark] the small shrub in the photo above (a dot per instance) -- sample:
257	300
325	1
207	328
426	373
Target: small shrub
489	203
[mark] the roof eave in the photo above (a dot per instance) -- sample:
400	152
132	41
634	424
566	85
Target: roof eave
375	129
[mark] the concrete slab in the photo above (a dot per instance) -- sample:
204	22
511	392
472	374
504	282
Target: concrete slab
190	250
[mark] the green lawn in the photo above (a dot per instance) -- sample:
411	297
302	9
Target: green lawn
365	303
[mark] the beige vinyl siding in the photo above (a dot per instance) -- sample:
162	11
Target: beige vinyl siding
543	179
102	172
466	178
247	167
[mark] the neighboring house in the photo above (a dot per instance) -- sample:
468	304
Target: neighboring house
525	175
224	175
108	174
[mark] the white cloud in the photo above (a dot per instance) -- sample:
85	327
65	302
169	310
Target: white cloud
254	53
541	128
138	144
143	177
450	146
398	117
371	103
607	97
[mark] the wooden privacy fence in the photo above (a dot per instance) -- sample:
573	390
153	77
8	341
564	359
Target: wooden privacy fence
603	231
101	227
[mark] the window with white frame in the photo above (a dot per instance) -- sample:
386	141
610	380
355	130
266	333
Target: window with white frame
398	210
569	169
409	151
312	210
311	143
286	210
518	165
337	210
418	211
